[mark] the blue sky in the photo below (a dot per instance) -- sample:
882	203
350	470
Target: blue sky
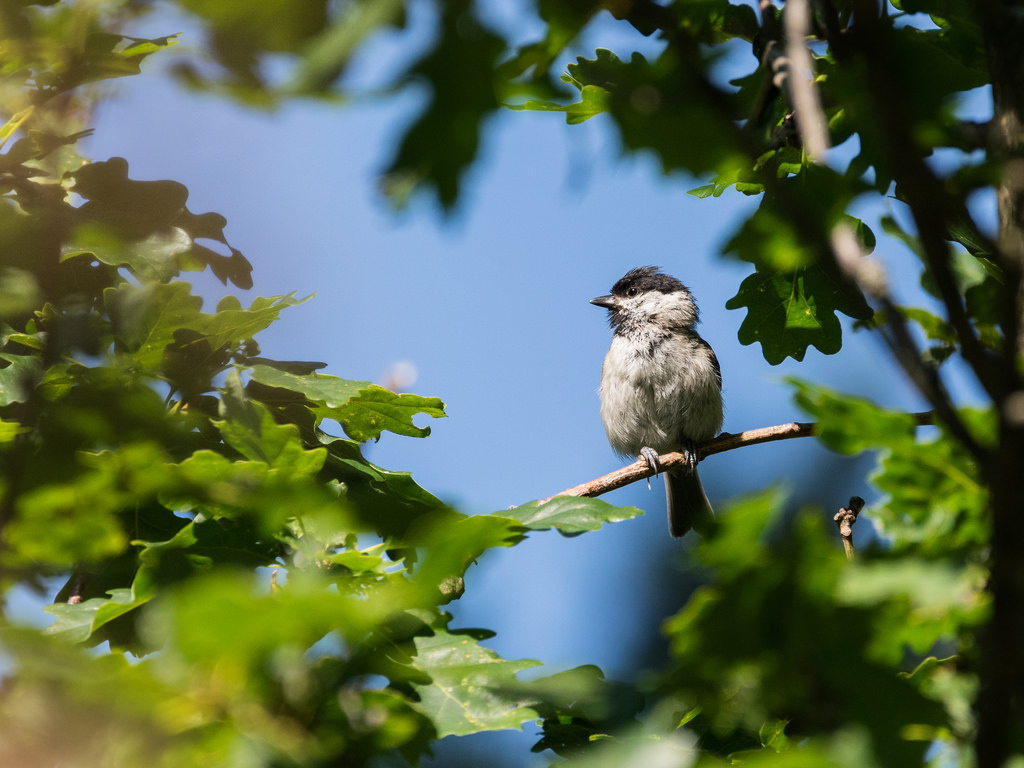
491	308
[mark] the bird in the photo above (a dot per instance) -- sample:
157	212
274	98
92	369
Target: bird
661	385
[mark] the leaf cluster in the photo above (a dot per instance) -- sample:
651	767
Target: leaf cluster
210	510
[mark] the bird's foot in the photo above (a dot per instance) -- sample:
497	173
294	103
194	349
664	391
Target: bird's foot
689	450
651	457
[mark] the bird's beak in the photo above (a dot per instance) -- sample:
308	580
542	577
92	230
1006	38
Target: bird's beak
608	302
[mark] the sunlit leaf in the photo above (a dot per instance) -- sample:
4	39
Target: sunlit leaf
569	514
363	409
787	312
77	622
467	692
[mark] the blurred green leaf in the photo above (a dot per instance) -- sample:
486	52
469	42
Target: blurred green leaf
593	101
145	226
328	55
932	602
658	107
18	377
569	514
935	501
851	425
767	641
442	142
675	750
77	622
110	55
578	706
76	519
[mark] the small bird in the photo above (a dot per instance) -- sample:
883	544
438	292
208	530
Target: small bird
661	386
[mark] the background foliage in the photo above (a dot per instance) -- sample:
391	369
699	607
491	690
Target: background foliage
269	596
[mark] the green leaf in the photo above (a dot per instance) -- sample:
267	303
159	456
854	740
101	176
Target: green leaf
197	547
249	428
773	735
388	502
230	619
933	326
9	431
579	706
771	242
18	377
781	586
470	684
129	208
329	54
76	520
253	493
440	145
145	226
593	101
20	293
152	259
851	425
111	55
320	388
235	324
77	622
929	602
452	542
145	318
363	409
935	499
569	514
360	563
705	191
376	409
657	109
737	542
243	31
789	311
673	749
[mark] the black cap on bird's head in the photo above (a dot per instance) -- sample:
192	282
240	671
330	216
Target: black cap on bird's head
640	281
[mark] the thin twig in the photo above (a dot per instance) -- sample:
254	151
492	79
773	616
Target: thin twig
844	519
78	584
869	275
639	469
803	95
932	208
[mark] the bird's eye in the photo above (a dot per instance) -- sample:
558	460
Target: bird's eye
632	292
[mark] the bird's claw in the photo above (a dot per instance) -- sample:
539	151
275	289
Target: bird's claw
651	457
690	452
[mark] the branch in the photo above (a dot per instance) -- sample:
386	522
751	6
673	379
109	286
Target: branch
930	205
803	95
640	470
812	125
869	275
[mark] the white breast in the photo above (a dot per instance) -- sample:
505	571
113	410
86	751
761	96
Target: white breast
658	393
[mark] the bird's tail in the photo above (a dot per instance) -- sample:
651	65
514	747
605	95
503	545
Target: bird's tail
688	505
